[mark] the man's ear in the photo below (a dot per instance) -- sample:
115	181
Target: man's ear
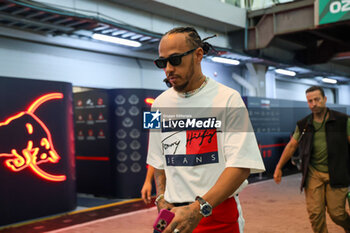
199	53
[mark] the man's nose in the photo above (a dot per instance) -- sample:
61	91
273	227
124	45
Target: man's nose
169	67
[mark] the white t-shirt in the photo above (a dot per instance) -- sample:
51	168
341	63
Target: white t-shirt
193	160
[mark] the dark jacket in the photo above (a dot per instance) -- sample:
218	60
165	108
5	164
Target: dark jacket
337	147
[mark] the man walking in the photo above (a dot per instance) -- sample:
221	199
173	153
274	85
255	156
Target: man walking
197	170
323	138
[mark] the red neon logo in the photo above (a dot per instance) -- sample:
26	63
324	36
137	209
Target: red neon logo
35	144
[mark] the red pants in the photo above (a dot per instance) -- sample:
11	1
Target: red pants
224	219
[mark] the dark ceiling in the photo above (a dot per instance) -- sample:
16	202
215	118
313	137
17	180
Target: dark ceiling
43	19
287	33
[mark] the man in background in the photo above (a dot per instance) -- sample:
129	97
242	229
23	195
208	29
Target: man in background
323	139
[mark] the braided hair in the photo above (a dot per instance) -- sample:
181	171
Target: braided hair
193	39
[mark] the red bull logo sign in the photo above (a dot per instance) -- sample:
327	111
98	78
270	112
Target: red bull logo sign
33	146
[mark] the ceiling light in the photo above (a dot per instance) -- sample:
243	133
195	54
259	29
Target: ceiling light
101	28
135	36
125	35
225	60
329	80
116	40
116	33
145	38
285	72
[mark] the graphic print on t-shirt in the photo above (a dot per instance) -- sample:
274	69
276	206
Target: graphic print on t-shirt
191	148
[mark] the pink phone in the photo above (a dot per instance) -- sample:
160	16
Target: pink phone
163	220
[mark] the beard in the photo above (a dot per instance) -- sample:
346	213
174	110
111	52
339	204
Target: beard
188	77
319	110
181	88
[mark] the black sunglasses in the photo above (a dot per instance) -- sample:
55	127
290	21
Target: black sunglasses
174	60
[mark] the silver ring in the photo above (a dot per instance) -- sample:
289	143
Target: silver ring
176	230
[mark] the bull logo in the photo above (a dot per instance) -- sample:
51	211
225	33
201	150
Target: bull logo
33	146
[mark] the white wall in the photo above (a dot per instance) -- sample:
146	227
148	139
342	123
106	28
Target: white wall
23	59
296	91
270	85
344	94
221	73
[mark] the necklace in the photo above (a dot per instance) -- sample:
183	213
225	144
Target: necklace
193	92
324	119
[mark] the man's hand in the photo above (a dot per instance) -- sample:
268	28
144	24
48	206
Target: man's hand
146	192
186	218
277	176
287	153
163	204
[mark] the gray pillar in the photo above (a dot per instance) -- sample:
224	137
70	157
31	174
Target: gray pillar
256	76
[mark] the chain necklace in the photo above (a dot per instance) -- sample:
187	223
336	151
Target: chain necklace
193	92
324	119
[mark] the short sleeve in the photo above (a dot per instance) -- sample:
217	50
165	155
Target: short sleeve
154	155
240	145
296	133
